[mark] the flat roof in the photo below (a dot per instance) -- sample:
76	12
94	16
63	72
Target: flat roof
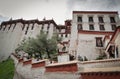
96	12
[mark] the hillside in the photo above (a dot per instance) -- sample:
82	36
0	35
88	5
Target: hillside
7	69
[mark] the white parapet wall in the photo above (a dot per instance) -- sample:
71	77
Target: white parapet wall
42	69
99	65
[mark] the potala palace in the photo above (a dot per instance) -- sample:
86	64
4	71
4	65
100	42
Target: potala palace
88	34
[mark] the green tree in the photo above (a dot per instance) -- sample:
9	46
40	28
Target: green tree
41	45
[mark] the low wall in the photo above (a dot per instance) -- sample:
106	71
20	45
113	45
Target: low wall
30	69
42	69
100	75
99	65
62	75
61	67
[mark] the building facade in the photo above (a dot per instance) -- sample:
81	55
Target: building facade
86	35
88	30
12	32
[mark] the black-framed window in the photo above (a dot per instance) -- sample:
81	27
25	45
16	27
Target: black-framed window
66	35
90	19
102	27
91	27
79	19
112	20
113	26
79	27
32	27
99	42
100	18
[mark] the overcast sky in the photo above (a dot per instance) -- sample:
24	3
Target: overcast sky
59	10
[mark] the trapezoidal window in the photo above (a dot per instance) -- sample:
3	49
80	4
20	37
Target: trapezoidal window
79	19
100	18
91	27
66	35
90	19
102	27
112	20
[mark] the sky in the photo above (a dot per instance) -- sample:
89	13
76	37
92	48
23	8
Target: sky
59	10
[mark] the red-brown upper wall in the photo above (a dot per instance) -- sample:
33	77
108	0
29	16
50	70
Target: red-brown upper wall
97	12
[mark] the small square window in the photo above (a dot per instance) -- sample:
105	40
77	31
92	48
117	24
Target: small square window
112	20
100	19
102	27
79	19
99	42
66	35
91	27
91	19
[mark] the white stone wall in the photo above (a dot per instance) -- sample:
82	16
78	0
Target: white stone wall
85	23
27	72
38	73
9	39
88	49
111	64
87	46
62	75
63	58
73	37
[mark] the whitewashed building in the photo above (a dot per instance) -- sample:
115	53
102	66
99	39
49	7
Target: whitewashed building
12	32
89	28
86	35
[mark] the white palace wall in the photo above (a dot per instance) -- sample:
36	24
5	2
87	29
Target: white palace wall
84	44
11	36
9	40
87	46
